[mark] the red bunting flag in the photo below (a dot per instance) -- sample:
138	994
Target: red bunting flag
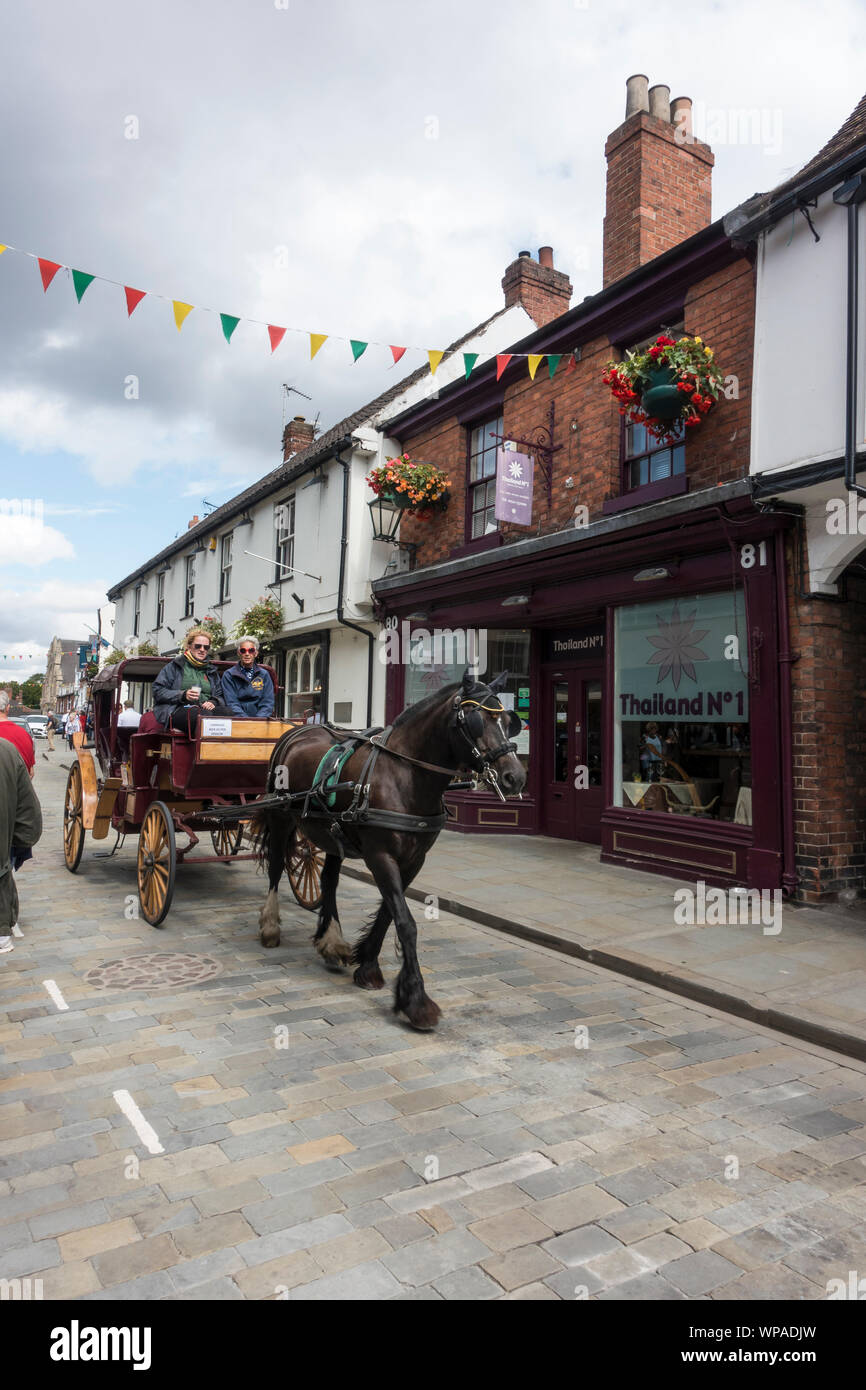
397	353
48	270
572	365
276	336
133	299
502	361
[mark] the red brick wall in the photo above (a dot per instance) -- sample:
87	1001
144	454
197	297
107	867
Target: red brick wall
719	309
829	736
659	192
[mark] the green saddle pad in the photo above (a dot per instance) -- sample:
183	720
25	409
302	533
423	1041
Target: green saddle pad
329	770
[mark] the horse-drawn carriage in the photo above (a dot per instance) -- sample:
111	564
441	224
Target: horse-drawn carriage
160	784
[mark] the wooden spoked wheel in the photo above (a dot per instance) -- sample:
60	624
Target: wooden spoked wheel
157	862
304	862
73	820
227	840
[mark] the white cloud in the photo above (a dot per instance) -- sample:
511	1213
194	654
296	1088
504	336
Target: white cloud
26	540
30	615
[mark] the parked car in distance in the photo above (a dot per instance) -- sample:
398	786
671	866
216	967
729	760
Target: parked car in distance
36	724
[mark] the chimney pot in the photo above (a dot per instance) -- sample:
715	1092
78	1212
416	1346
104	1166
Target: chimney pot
545	256
681	114
636	94
660	102
524	255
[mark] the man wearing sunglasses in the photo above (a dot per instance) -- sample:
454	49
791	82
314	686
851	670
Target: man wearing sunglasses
189	686
247	688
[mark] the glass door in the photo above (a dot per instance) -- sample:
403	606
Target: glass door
573	793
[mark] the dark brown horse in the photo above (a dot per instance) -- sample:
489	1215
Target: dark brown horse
389	813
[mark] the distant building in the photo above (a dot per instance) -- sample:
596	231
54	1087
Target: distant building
61	690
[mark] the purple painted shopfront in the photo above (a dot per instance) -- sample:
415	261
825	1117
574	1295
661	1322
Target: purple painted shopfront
648	662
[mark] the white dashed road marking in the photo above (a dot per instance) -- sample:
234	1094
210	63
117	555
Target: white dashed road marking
146	1133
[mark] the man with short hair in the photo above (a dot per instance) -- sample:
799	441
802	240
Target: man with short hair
50	726
129	717
20	827
247	687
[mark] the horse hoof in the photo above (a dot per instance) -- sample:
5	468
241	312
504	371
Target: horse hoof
271	939
423	1017
369	977
334	953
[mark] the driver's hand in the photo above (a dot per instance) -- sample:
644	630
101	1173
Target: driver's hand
208	704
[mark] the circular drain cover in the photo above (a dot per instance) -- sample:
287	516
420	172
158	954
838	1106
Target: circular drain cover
155	970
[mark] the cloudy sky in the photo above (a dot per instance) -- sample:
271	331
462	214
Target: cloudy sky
363	168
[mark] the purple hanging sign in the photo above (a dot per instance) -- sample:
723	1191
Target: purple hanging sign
514	476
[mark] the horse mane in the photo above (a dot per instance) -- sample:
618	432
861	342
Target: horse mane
423	707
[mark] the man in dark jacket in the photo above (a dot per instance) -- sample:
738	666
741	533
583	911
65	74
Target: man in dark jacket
188	687
20	826
247	687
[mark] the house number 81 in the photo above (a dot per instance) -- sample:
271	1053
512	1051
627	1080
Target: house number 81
748	555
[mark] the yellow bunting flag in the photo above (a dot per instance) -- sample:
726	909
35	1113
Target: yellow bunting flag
181	312
2	249
435	358
316	341
534	361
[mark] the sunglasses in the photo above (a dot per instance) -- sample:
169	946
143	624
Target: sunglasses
201	646
247	651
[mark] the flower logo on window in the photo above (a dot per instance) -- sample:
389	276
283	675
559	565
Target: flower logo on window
677	650
515	469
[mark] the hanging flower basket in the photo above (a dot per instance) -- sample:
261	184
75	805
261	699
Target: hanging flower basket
419	488
672	382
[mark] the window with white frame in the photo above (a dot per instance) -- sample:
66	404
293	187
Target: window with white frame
189	587
304	684
226	568
136	614
484	441
160	599
284	525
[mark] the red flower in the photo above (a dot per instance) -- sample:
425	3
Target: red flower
664	341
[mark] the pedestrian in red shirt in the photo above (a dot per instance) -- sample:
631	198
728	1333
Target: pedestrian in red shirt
16	734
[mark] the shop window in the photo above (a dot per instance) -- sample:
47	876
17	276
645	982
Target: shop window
681	707
484	441
437	658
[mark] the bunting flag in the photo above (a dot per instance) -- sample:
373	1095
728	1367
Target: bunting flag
181	312
81	280
229	323
48	270
133	299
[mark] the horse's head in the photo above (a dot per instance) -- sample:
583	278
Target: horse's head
480	732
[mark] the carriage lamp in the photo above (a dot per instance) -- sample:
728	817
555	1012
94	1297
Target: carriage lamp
385	518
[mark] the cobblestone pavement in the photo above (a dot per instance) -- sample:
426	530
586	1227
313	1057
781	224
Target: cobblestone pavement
678	1154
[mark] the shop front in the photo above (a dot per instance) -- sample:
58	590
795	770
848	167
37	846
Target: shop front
645	664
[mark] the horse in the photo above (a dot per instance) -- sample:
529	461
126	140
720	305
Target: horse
388	810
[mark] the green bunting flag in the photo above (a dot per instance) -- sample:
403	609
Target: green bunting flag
229	323
358	348
81	280
469	360
553	361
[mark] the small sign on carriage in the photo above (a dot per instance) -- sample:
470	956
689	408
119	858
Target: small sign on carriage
216	728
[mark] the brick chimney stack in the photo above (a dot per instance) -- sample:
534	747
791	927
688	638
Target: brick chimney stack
298	434
659	179
190	524
545	293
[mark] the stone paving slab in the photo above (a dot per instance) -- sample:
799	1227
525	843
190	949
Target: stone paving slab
494	1159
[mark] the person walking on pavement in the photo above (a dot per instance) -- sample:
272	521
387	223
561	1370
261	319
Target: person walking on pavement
73	726
16	733
20	827
50	726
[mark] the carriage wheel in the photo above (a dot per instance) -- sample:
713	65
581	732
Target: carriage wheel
157	861
304	862
227	840
73	820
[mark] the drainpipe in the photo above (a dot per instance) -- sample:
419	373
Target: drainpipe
790	877
344	541
850	195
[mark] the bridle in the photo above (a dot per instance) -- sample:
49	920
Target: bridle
482	761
